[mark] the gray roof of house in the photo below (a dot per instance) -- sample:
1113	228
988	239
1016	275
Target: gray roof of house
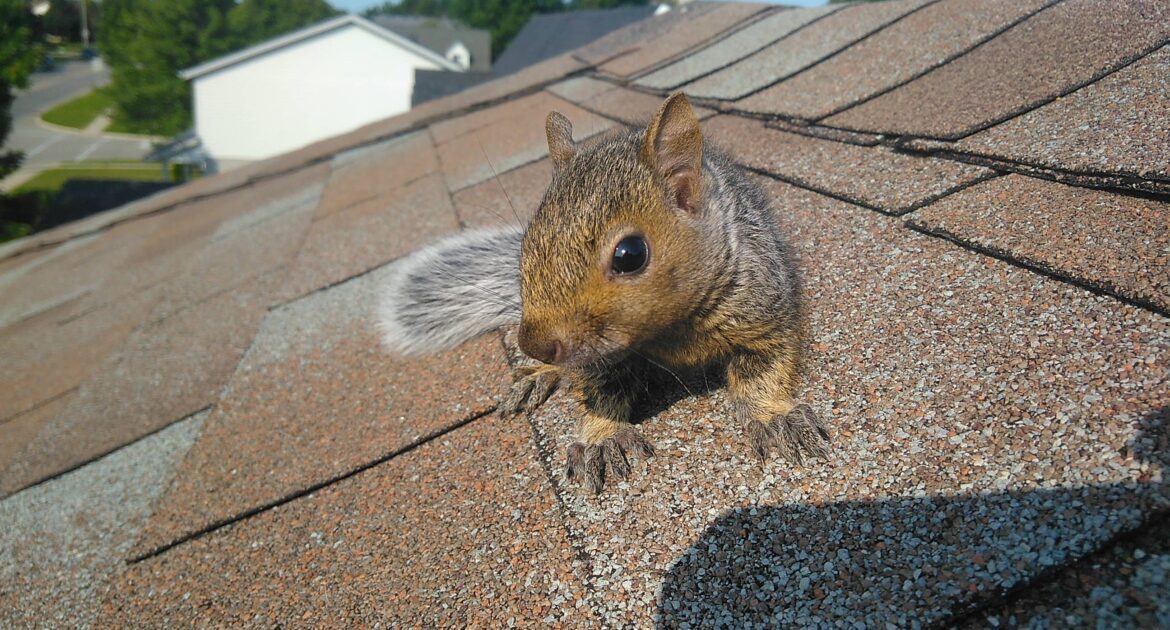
438	34
551	34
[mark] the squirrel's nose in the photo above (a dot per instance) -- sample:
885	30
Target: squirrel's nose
546	349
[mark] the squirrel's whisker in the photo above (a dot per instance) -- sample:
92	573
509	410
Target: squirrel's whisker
496	176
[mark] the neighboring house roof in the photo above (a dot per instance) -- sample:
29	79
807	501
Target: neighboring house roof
440	34
432	84
548	35
308	33
979	196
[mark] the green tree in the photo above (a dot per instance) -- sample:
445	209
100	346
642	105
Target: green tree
20	53
603	4
147	42
254	21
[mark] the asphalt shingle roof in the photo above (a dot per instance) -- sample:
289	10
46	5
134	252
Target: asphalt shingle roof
199	426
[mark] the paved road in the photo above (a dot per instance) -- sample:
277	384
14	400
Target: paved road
43	146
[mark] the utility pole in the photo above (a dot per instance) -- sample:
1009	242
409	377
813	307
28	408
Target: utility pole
84	26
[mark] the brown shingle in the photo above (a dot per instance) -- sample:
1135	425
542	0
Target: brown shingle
512	136
1116	243
165	371
316	397
629	39
250	245
17	432
873	176
511	198
1116	128
371	233
740	44
684	35
802	49
1055	51
366	172
57	351
579	89
463	531
890	57
632	108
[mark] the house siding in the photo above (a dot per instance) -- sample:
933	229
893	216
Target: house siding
314	89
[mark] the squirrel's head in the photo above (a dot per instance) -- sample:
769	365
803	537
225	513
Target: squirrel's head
614	257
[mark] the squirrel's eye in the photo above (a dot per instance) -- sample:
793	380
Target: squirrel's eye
630	255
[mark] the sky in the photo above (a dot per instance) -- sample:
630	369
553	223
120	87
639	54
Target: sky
357	6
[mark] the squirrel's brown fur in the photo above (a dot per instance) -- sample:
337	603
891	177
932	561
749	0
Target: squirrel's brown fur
719	288
707	278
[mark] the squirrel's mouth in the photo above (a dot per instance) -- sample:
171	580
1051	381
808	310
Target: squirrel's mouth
596	352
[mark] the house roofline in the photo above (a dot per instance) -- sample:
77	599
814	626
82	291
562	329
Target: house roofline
283	41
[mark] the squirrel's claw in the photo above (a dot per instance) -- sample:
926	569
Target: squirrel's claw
792	436
531	386
592	462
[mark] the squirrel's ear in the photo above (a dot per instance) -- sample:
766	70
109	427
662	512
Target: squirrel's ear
674	149
560	139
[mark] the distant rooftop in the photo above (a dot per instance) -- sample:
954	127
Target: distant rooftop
550	34
440	34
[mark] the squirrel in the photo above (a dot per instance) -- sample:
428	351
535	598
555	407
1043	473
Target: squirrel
649	249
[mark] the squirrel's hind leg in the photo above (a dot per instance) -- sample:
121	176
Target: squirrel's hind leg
762	388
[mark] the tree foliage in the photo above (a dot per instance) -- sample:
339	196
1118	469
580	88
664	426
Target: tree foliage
20	53
503	18
147	42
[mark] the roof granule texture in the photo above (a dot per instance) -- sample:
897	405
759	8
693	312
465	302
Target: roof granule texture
1053	52
1127	586
1116	126
890	57
1116	243
369	234
876	177
802	49
685	36
317	397
509	135
740	44
461	531
165	371
63	541
512	198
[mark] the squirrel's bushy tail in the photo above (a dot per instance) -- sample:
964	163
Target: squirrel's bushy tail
451	291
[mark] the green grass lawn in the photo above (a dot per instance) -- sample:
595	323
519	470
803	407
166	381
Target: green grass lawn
79	112
52	180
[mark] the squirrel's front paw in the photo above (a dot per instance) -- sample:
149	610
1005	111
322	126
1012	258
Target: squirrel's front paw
593	462
531	386
791	436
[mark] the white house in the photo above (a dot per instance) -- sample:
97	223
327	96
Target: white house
309	85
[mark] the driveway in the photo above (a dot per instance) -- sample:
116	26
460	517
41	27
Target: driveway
45	146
